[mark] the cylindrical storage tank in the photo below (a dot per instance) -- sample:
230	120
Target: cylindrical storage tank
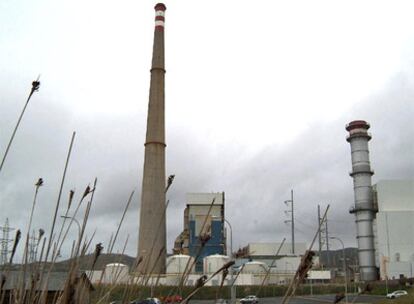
255	267
179	263
214	262
176	266
116	273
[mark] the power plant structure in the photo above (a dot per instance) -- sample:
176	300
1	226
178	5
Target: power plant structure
152	227
203	219
364	208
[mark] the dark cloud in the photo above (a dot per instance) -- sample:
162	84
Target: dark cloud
315	164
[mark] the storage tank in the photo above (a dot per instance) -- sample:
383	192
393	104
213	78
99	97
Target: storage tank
214	262
177	263
116	273
255	267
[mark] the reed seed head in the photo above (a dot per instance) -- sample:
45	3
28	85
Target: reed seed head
35	85
39	182
87	191
41	233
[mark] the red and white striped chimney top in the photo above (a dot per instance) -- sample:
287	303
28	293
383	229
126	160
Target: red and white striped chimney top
160	16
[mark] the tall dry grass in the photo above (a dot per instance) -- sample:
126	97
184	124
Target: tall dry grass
33	278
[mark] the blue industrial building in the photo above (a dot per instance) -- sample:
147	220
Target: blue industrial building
203	220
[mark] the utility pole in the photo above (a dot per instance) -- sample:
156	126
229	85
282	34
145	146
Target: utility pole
33	244
292	220
323	236
319	233
4	241
327	240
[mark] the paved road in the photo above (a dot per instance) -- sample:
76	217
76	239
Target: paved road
323	299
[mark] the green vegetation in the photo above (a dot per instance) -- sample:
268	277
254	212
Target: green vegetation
211	292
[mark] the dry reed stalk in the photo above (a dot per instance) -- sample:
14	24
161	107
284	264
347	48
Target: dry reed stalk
144	273
59	195
237	275
71	196
223	278
122	219
144	279
22	276
97	253
118	269
112	240
33	271
204	238
128	291
68	295
149	275
73	283
88	244
16	242
35	88
38	184
59	245
270	267
203	242
86	215
8	266
304	266
35	296
203	280
113	284
148	255
159	226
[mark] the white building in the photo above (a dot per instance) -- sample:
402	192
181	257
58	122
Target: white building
270	249
394	228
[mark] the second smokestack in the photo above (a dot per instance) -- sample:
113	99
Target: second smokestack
364	208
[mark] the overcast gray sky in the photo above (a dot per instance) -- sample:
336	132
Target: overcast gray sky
257	97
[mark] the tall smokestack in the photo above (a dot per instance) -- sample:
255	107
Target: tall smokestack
152	227
364	207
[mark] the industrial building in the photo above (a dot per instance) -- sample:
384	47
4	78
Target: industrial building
266	253
394	227
384	215
203	222
259	251
282	266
